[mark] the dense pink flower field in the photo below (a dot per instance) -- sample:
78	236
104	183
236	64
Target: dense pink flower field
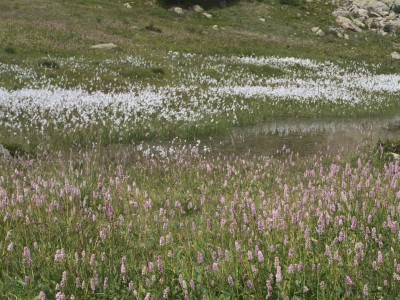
193	225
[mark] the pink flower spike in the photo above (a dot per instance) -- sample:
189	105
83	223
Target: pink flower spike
348	280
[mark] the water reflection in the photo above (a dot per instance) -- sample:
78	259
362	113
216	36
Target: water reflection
309	136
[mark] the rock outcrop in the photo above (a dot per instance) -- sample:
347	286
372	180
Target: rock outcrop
381	16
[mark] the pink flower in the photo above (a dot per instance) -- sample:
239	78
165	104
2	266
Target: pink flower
365	291
200	258
380	258
278	274
215	266
105	284
159	264
59	256
260	256
123	267
60	296
230	280
42	295
348	280
27	257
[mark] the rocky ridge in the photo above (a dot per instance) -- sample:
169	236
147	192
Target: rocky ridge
382	17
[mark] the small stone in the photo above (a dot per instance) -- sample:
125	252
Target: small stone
320	33
127	5
262	20
215	27
207	15
382	33
395	55
108	46
395	156
314	29
149	4
346	36
4	152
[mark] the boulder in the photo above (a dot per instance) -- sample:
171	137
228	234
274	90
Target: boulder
340	12
178	10
380	8
364	3
197	9
392	16
358	23
108	46
394	24
346	23
361	12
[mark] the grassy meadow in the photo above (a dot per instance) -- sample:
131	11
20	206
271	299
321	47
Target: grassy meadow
108	190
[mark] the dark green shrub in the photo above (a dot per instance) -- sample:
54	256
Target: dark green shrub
387	28
17	149
291	2
158	71
10	50
396	9
48	64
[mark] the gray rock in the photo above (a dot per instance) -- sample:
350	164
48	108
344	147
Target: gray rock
262	20
104	46
362	13
315	29
394	156
336	31
4	152
150	4
380	8
207	15
320	33
178	10
395	55
394	24
358	23
127	5
346	23
340	12
197	9
364	3
392	16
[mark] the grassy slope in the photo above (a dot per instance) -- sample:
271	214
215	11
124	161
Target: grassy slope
65	28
